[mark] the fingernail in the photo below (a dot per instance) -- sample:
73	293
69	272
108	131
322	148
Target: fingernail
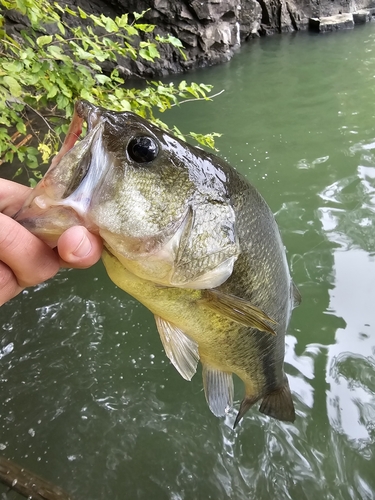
83	249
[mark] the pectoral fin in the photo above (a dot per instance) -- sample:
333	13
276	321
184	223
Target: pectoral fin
238	310
218	389
204	258
180	349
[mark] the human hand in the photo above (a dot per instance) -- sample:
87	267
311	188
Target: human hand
24	259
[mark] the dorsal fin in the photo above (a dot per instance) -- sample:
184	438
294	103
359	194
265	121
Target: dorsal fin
245	405
238	310
218	389
180	349
296	296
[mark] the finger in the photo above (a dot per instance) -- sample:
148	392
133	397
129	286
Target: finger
78	247
9	286
31	260
12	196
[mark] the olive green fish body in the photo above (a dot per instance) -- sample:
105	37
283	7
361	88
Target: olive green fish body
187	236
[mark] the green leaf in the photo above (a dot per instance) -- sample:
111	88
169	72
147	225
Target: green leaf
85	94
36	67
57	53
182	85
61	27
12	67
21	127
111	26
70	11
44	40
102	79
95	66
82	54
122	21
52	92
153	51
207	88
125	105
14	87
19	170
145	54
170	39
139	15
82	13
62	101
131	31
146	28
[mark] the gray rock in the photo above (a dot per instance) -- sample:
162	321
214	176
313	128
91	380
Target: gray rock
332	23
361	16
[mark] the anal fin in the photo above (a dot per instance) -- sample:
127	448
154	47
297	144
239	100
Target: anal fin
246	404
218	389
180	349
279	404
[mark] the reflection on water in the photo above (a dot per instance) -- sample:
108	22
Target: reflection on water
347	219
89	399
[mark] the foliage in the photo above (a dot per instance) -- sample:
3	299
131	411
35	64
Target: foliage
42	74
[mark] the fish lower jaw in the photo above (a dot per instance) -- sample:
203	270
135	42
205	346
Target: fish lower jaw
49	225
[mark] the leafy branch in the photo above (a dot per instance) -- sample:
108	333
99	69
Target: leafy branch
42	74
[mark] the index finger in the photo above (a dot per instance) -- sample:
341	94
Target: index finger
31	260
12	196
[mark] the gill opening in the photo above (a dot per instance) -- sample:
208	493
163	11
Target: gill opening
93	168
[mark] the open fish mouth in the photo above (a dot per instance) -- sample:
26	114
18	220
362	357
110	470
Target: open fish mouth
64	195
83	112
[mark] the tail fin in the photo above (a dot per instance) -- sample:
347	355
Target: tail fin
279	404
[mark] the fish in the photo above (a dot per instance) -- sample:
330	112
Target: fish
187	236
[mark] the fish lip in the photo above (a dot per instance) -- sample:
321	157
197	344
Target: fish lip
87	112
83	111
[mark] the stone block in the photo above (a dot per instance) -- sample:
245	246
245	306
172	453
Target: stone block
361	16
331	23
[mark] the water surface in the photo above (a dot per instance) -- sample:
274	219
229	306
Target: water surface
89	399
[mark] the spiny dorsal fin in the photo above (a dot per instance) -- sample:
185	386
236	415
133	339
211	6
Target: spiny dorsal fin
238	310
296	296
279	404
218	389
180	349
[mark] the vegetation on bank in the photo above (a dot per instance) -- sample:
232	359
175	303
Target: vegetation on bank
45	68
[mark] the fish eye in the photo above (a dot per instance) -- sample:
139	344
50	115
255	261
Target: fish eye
142	149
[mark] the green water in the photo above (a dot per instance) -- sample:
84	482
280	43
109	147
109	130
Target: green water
89	399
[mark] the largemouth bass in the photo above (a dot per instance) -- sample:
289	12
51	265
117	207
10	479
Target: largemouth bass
187	236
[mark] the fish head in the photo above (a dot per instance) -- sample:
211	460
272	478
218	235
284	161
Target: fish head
137	186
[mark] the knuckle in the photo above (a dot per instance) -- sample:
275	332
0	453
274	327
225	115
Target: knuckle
9	240
43	271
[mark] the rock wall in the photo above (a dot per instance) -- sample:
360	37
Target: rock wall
212	30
